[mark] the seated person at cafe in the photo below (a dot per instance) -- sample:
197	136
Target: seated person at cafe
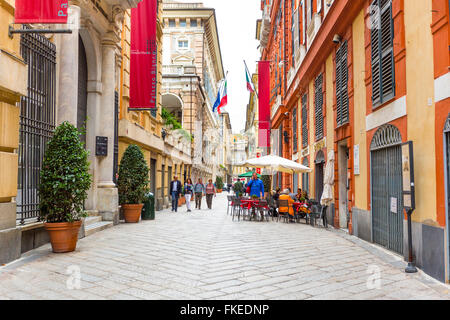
299	194
285	196
277	194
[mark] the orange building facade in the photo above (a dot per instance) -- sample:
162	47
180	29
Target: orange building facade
359	78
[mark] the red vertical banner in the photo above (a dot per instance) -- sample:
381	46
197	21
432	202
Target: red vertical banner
144	56
41	11
264	104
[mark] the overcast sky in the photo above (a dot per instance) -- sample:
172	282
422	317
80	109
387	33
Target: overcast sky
237	28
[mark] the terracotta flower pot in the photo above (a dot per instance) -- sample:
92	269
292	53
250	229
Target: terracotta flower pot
219	190
132	212
63	235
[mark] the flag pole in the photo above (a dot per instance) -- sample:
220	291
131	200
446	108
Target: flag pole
251	79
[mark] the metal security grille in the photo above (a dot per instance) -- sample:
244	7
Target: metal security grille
386	173
382	44
37	121
342	85
319	106
116	137
304	120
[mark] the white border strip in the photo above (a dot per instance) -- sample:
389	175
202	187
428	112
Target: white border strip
442	87
392	111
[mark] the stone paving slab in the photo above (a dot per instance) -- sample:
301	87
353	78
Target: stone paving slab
205	255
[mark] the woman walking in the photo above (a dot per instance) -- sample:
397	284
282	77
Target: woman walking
188	190
210	192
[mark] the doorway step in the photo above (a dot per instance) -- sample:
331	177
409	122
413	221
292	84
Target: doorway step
94	223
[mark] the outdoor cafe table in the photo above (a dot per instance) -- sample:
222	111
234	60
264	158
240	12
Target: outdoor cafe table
250	203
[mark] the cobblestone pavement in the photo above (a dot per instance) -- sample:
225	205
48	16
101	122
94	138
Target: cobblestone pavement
204	255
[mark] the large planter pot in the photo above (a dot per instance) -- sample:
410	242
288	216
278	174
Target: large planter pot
63	235
132	212
219	190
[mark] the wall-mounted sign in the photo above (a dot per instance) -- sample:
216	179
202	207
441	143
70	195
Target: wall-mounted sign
101	146
394	205
409	202
356	159
41	11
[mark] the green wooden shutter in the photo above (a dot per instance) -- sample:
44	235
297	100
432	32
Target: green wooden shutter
382	43
344	85
342	107
319	106
387	51
305	120
294	130
375	44
338	88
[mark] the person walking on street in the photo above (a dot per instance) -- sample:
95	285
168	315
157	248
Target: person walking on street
175	191
256	186
199	190
188	191
210	192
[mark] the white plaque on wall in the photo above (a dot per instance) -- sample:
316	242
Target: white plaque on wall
356	159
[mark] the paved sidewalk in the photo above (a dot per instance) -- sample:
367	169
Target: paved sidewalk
204	255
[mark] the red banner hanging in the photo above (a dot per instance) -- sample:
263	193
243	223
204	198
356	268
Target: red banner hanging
144	56
264	104
41	11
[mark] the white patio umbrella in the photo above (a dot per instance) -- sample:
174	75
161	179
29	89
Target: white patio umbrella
327	195
275	164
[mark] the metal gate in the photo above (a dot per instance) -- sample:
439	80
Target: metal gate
386	173
116	137
37	121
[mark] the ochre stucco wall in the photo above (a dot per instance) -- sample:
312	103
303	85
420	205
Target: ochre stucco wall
420	119
361	180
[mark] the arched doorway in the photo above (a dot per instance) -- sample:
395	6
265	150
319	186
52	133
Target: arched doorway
386	176
82	88
319	170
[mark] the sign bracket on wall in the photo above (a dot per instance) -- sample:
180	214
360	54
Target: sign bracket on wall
12	31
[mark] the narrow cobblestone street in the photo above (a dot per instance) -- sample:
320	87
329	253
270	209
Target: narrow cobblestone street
204	255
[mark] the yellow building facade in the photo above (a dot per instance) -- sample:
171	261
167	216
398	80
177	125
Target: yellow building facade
13	85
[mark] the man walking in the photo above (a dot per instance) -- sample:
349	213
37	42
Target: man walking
175	190
210	192
199	190
256	186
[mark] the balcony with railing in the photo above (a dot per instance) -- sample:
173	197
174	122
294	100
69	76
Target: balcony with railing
178	70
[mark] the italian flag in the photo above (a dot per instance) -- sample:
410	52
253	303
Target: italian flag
222	97
249	79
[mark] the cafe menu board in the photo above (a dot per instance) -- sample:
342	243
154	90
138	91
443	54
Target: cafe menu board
408	176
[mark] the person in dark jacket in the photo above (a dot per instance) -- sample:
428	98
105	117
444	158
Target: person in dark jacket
175	191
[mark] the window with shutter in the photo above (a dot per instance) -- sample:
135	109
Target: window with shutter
305	176
318	85
382	44
295	37
294	130
305	120
342	102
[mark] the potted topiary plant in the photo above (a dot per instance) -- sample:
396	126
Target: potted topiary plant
65	180
219	184
133	183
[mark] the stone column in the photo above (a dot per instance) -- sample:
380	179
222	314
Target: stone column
107	201
68	70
